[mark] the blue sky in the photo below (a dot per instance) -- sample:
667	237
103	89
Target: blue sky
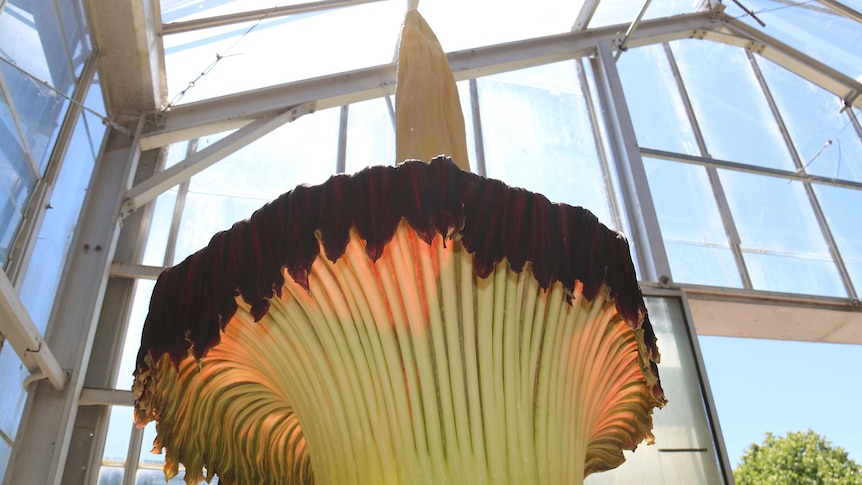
779	386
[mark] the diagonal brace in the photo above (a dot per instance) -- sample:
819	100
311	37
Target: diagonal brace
26	340
147	191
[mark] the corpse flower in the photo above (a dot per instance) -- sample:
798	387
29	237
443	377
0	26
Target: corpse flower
404	325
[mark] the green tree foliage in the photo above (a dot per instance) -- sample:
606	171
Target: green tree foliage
801	458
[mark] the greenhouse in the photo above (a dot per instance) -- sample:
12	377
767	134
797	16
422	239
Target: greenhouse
723	139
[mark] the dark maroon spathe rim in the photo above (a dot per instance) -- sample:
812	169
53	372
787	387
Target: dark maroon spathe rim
193	301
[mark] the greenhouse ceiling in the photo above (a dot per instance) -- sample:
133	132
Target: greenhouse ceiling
201	66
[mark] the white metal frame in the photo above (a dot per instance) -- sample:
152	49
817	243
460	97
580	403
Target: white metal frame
39	454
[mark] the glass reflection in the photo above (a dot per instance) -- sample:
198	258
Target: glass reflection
782	242
657	111
40	112
684	451
821	130
840	206
55	236
370	135
691	226
730	107
812	28
281	50
537	135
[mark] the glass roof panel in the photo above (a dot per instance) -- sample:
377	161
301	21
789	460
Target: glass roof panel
844	222
535	123
182	10
823	135
460	25
694	236
730	107
811	28
611	12
783	246
656	108
280	50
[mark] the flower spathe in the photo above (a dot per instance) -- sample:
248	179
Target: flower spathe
410	324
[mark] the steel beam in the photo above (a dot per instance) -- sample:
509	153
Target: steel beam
601	152
735	32
622	45
91	424
147	191
478	134
214	115
21	333
341	154
588	9
135	271
252	15
106	397
742	167
44	437
643	220
842	9
128	36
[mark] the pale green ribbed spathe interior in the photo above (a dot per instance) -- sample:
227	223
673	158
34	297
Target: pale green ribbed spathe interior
410	370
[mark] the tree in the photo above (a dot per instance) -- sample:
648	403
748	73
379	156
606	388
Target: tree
802	458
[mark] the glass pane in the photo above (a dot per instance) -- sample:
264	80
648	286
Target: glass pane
783	245
537	135
281	49
57	231
206	214
32	39
119	435
148	459
730	107
182	10
812	28
40	112
370	135
610	12
684	451
823	135
13	397
17	179
157	240
461	25
303	151
654	103
840	206
150	464
157	477
177	152
140	306
77	35
110	476
691	226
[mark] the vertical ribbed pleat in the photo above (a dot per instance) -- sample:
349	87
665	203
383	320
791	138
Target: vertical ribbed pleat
410	370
